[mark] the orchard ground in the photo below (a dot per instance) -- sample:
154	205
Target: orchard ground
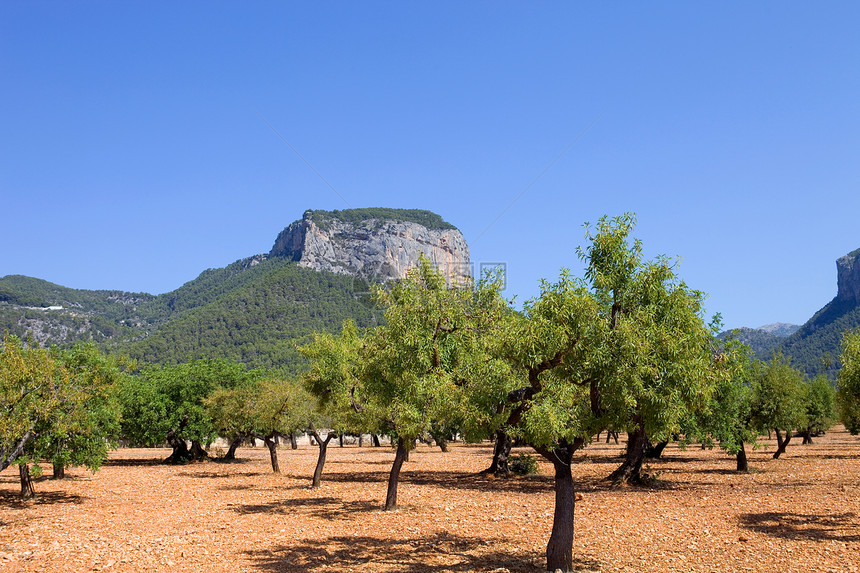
799	513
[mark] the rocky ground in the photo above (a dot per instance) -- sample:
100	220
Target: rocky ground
800	513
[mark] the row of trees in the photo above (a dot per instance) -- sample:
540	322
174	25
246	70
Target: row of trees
624	348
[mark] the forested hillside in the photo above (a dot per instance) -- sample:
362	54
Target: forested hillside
815	348
261	321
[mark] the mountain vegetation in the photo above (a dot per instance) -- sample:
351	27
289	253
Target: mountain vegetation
815	347
422	217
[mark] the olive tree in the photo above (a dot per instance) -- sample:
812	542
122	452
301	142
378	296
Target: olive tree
848	392
166	404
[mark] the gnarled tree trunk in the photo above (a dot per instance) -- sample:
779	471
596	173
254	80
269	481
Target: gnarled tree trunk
781	443
376	443
394	476
501	453
234	444
27	490
630	471
293	443
656	450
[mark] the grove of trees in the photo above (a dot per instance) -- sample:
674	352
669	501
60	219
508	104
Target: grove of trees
624	348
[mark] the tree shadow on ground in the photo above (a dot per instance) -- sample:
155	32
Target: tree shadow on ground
12	499
230	462
216	475
128	462
844	527
441	552
452	479
329	508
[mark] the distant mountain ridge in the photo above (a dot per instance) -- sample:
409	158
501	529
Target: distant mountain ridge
256	309
815	346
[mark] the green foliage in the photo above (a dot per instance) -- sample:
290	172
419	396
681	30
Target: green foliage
524	464
58	406
259	408
33	388
848	393
778	395
820	402
428	219
727	418
260	322
170	399
91	423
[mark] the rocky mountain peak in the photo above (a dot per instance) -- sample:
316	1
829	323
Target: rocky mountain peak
377	244
848	277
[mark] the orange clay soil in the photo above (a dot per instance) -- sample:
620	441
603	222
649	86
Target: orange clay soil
799	513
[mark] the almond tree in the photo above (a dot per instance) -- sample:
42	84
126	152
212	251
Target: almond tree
778	394
625	348
263	409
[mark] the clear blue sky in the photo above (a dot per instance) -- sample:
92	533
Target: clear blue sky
134	152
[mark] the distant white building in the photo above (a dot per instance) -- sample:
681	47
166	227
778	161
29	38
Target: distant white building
54	308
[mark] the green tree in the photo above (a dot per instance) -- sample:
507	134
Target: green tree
263	409
625	348
90	423
848	393
820	401
33	390
727	418
167	404
333	379
778	394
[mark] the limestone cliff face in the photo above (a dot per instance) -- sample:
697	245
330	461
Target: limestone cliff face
848	277
375	244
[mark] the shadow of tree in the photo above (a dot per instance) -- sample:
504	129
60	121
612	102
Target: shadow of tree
329	508
441	552
452	479
121	462
11	499
216	475
843	527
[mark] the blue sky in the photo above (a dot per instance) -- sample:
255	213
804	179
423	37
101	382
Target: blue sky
134	149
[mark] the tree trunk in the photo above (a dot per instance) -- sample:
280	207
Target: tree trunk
375	440
559	548
234	444
781	443
394	476
743	465
27	490
442	443
630	471
59	470
501	452
654	452
180	449
197	452
293	443
323	446
340	439
360	440
807	436
273	452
